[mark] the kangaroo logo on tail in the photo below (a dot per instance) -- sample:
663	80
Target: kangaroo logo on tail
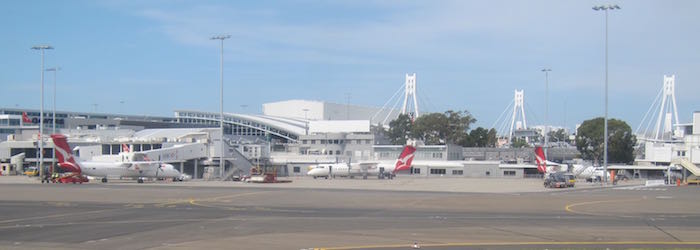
541	160
65	157
405	159
25	118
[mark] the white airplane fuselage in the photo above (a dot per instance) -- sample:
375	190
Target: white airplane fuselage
118	169
345	170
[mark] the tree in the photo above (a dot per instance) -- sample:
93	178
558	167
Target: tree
458	125
558	135
400	129
479	137
621	141
518	143
491	138
431	128
441	128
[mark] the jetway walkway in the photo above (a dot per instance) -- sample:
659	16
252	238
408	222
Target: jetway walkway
177	153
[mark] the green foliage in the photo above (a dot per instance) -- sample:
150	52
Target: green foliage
491	138
400	130
433	128
519	143
441	128
621	141
479	137
558	135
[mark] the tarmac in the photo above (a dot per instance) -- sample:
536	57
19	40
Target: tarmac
434	213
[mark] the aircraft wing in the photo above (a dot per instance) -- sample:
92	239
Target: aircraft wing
142	165
137	156
367	165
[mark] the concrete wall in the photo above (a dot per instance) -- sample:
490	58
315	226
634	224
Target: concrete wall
658	152
348	126
484	169
295	109
355	146
318	110
696	123
515	154
335	111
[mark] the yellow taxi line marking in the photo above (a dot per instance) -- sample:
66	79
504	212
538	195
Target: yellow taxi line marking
194	203
207	199
569	207
60	215
518	244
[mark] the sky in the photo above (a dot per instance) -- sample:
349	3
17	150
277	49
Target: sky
153	57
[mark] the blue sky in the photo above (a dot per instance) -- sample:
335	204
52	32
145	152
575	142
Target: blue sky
156	56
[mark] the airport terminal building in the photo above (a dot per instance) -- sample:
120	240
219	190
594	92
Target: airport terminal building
290	135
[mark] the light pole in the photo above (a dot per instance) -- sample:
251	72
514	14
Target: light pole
41	112
221	102
605	122
121	107
546	108
306	120
53	120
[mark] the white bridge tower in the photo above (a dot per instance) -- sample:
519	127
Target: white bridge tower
518	118
409	107
667	117
410	93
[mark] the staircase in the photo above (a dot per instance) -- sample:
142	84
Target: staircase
241	165
684	162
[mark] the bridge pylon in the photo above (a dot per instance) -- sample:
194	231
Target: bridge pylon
667	116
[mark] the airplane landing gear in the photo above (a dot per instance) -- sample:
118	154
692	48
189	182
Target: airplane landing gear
140	180
104	180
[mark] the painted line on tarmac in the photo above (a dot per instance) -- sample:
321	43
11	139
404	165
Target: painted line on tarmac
194	203
569	207
122	222
215	198
61	215
547	243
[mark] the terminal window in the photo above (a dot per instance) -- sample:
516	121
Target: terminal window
509	173
457	172
297	169
416	170
438	171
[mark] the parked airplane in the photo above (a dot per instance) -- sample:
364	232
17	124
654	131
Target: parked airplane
580	171
140	170
364	169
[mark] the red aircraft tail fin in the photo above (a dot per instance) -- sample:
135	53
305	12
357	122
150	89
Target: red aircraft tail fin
25	118
405	159
63	152
541	160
